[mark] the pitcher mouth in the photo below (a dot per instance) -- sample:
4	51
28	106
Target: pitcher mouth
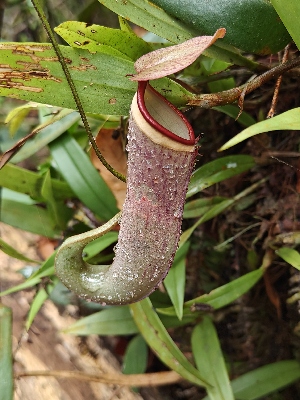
163	116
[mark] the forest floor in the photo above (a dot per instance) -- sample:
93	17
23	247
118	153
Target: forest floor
45	347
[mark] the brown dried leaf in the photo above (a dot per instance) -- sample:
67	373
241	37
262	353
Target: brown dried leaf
16	147
113	152
166	61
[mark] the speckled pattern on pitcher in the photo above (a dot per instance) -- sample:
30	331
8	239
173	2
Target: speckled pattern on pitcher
150	227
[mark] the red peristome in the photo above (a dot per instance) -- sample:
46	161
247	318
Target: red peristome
142	85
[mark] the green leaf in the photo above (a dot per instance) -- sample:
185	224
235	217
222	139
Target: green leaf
105	91
136	356
111	321
147	15
152	18
288	11
124	25
172	321
211	213
252	26
47	132
16	116
233	111
39	299
217	171
198	207
83	178
6	356
96	246
97	38
226	294
102	90
265	380
59	213
285	121
24	285
223	295
161	343
24	181
20	211
46	270
210	361
175	280
289	255
12	252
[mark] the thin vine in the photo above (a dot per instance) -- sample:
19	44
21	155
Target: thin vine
72	86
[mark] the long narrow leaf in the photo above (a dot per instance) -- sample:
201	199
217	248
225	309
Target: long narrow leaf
24	181
223	295
57	210
289	11
161	343
6	357
12	252
211	213
24	285
210	361
265	380
285	121
152	18
82	177
233	111
52	130
46	270
136	356
217	171
175	280
197	208
289	255
21	212
39	299
98	245
112	321
104	92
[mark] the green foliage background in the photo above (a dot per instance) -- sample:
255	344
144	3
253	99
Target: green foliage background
224	225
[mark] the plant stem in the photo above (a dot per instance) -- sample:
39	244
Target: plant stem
229	96
272	110
76	97
139	380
